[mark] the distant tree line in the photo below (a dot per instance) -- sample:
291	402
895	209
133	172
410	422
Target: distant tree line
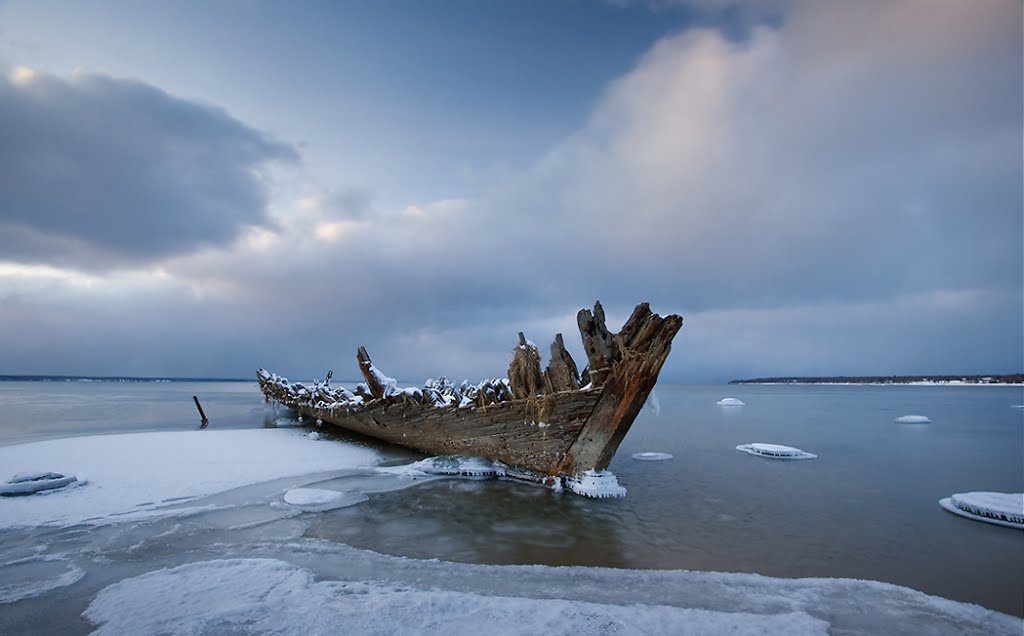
1012	378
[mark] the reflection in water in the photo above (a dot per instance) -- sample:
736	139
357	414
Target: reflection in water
476	521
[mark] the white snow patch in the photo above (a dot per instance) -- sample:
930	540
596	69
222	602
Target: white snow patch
268	596
774	451
313	435
1001	508
649	456
912	419
599	484
730	401
134	474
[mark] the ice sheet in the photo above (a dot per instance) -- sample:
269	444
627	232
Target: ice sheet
134	474
272	596
1001	508
374	593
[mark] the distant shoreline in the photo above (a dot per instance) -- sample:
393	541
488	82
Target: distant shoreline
111	378
1015	379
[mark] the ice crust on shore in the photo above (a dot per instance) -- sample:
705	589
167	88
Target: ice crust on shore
912	419
136	475
379	594
774	451
1000	508
730	401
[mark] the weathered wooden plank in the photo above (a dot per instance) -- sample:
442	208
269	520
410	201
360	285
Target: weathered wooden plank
530	435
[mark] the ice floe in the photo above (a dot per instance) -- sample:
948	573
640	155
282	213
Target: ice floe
649	456
774	451
912	419
136	475
34	482
730	401
1001	508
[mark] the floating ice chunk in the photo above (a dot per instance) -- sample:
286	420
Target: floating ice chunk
651	456
1017	406
313	436
1001	508
461	465
730	401
774	451
31	483
912	419
599	484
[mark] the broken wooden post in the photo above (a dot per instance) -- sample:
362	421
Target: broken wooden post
597	343
204	421
561	374
373	379
524	374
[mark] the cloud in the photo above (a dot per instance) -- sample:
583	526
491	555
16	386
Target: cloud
101	172
839	192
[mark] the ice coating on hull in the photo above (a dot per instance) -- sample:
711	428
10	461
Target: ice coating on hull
599	484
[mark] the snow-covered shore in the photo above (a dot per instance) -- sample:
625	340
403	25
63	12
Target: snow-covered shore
136	475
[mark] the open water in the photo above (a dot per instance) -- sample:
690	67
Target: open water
867	507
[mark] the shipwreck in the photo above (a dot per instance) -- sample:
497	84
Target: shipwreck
557	426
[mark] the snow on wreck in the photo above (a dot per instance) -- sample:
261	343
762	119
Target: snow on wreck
558	426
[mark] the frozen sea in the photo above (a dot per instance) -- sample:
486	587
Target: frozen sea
326	537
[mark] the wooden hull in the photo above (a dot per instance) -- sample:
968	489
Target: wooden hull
525	435
538	424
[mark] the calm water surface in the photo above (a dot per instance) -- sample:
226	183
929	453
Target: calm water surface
866	508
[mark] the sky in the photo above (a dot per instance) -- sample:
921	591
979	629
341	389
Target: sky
818	187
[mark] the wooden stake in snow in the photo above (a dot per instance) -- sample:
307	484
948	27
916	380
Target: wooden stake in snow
201	414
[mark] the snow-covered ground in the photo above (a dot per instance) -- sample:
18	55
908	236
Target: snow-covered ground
204	533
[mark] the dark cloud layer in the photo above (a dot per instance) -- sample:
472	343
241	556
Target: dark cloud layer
97	171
